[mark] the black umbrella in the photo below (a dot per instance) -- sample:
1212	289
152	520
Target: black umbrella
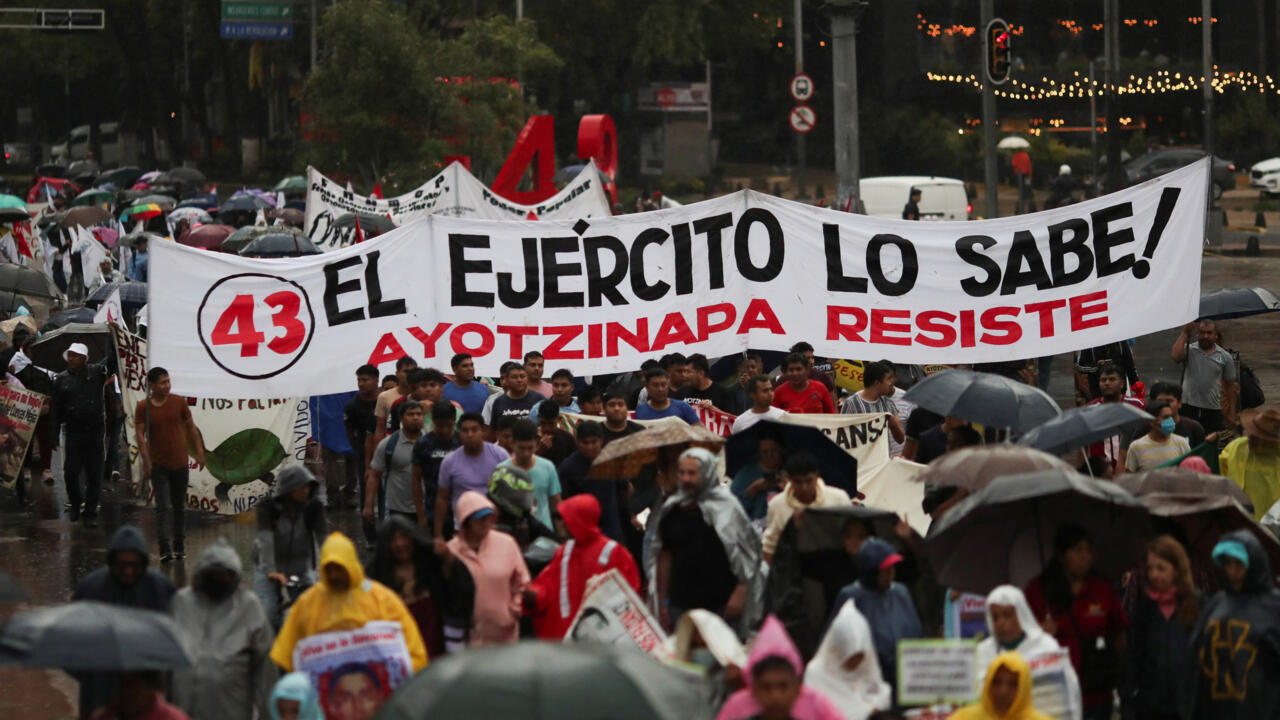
10	301
47	351
243	203
279	244
132	239
1199	522
74	315
11	591
13	215
28	281
83	167
537	680
236	241
120	177
93	636
1078	427
837	467
133	294
993	400
1238	302
1003	534
376	224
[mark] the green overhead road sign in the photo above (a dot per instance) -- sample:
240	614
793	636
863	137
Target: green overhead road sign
256	11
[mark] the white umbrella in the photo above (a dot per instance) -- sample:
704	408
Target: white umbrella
1013	142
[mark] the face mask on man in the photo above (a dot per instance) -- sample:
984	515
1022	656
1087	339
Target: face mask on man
1166	426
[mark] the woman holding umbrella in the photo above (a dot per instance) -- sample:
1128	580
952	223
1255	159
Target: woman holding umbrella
1083	612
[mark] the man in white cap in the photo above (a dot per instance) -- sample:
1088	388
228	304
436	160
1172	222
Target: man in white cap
77	405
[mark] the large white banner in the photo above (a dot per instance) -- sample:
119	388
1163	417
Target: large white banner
741	271
246	440
454	191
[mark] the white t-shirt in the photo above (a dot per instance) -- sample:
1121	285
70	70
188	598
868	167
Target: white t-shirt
751	417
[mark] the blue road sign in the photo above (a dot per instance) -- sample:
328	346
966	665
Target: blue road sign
232	30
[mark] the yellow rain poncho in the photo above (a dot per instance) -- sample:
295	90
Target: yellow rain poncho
1021	709
323	609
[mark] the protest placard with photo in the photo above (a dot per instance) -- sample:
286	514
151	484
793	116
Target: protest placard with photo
19	413
355	671
612	614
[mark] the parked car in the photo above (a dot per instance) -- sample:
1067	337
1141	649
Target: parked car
1159	162
941	198
1265	176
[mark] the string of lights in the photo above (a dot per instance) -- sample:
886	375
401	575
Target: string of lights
1160	82
934	30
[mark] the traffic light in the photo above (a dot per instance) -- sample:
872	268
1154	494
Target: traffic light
998	51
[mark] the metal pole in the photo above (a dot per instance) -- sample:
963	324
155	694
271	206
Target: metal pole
989	124
1093	130
519	9
844	65
1206	40
801	173
1115	173
313	34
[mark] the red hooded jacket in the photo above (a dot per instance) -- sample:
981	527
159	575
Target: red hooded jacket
561	583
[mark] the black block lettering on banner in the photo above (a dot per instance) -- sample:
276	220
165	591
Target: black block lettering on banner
837	281
507	293
965	249
373	286
333	287
1060	249
1025	266
910	265
600	286
1106	239
552	271
741	246
684	258
460	267
639	284
712	227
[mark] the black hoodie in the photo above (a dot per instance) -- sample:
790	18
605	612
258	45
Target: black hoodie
1235	649
152	591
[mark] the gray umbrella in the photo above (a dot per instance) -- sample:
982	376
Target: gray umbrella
986	398
28	282
535	680
1078	427
93	636
1238	302
279	244
1004	533
369	223
973	468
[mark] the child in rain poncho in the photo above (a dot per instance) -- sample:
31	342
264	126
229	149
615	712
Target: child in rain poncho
294	699
846	669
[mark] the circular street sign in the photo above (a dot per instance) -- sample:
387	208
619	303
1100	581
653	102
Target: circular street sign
802	118
801	87
666	97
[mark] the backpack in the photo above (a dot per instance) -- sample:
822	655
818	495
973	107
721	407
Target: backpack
1251	395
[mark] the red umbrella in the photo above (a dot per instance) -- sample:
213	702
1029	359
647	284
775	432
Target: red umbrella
206	237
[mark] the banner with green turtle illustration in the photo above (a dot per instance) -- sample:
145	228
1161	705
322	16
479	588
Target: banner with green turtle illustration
246	440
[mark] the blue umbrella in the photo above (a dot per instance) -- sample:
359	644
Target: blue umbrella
133	294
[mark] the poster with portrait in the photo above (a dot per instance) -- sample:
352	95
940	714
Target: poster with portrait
19	413
355	671
613	614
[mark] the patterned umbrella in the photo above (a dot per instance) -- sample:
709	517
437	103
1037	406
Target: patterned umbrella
625	458
194	214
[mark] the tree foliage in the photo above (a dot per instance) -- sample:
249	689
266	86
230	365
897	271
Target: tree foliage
392	98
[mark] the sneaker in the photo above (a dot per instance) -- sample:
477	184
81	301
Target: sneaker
179	552
73	514
166	554
115	476
48	477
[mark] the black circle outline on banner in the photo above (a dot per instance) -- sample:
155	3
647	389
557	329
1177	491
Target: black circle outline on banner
306	343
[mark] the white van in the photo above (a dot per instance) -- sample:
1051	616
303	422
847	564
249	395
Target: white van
940	198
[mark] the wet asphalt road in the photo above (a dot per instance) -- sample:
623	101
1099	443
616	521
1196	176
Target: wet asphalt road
48	555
